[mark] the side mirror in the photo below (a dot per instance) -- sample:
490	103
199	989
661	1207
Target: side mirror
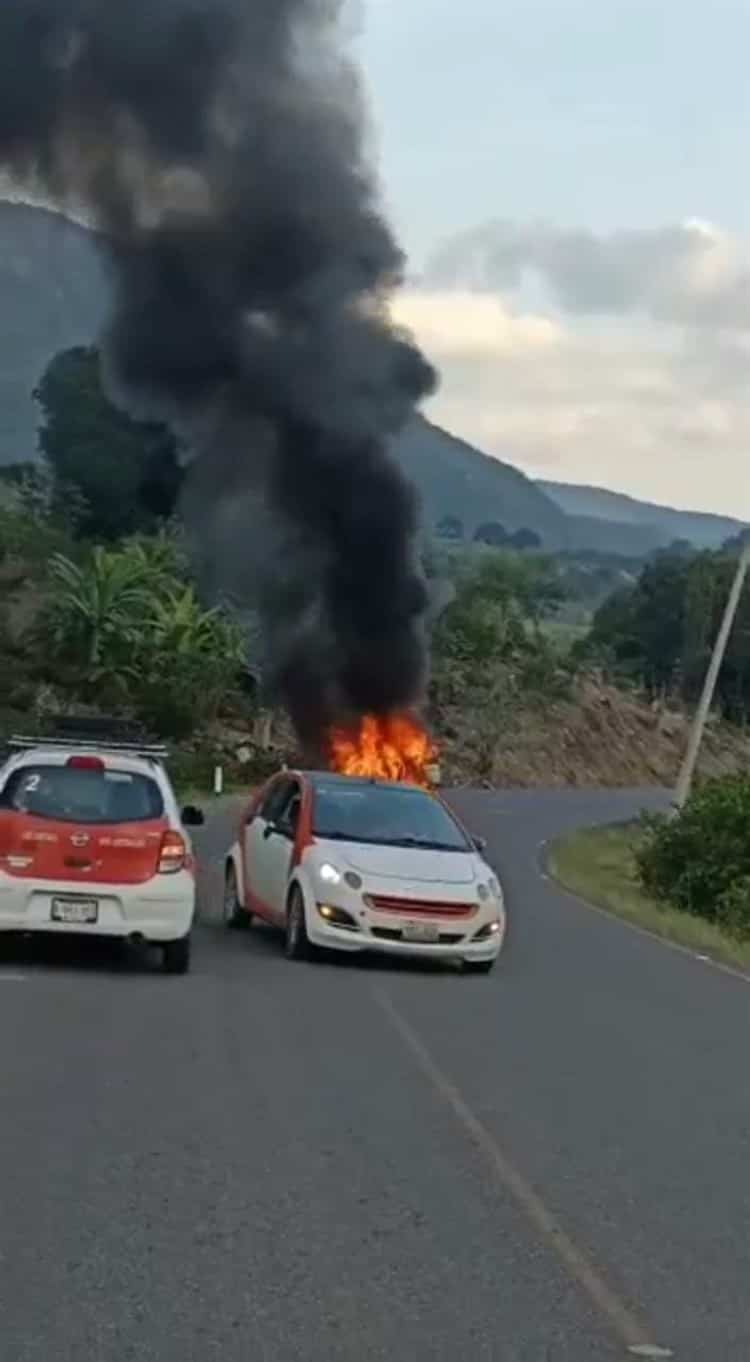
480	844
192	817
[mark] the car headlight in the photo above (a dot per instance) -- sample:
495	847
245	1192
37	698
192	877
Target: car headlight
490	890
329	874
483	892
495	889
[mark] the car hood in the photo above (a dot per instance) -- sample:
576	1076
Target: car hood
411	865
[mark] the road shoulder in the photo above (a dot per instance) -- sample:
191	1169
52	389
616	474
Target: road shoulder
598	866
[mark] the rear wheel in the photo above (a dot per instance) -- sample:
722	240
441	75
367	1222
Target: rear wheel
478	966
176	956
236	918
297	943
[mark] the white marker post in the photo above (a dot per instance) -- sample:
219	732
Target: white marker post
218	780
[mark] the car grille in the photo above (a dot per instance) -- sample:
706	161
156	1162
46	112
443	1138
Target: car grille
394	934
420	907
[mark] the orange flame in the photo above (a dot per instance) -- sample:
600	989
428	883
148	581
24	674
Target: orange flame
395	747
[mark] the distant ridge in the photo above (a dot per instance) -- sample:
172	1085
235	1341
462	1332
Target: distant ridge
698	527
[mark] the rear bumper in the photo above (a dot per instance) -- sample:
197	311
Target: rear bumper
162	909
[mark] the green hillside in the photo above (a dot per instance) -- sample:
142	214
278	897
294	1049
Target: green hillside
456	480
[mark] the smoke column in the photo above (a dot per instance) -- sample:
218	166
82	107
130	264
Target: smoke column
218	147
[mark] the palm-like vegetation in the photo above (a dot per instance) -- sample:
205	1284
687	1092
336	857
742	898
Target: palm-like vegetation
122	621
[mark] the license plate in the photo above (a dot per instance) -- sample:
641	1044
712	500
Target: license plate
426	933
78	911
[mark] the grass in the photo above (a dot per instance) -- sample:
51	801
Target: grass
599	865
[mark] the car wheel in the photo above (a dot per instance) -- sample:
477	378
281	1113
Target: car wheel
236	918
176	956
478	966
297	944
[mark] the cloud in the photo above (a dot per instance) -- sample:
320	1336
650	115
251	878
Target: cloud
648	407
690	274
462	323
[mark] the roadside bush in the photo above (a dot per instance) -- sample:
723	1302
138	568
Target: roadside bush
733	909
700	860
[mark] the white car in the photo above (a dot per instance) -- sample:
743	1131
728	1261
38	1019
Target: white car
362	865
92	843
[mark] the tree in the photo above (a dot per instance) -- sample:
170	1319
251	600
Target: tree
493	623
127	472
661	629
124	625
642	627
525	539
491	533
93	621
450	527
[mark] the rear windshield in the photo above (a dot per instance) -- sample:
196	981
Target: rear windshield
70	795
386	815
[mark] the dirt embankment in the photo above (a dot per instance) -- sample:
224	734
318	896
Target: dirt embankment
600	736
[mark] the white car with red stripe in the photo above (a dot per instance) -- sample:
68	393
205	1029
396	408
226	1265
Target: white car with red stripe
92	842
362	865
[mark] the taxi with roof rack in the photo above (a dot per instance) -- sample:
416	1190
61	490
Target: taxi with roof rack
356	864
93	843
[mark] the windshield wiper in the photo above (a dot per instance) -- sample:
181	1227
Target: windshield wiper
423	845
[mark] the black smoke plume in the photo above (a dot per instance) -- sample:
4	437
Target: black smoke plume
218	147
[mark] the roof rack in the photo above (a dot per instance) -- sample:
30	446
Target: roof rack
107	728
152	751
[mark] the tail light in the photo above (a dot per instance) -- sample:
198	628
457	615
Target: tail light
173	853
85	764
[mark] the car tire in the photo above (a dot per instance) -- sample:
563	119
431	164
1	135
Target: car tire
478	966
236	918
176	956
296	942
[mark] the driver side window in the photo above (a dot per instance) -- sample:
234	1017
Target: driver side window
287	816
276	799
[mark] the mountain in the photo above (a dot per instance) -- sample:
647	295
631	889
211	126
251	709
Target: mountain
457	481
664	522
54	293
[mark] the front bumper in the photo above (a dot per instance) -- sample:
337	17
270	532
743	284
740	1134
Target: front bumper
382	933
161	909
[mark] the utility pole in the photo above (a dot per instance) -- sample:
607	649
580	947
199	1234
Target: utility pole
685	779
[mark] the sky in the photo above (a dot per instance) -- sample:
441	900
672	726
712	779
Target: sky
569	180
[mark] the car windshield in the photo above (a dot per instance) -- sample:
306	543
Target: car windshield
386	815
73	795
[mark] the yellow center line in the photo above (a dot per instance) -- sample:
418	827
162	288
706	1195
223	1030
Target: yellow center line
625	1326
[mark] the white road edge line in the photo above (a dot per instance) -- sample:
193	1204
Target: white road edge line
634	926
622	1323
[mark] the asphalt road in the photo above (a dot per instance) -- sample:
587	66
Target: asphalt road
267	1162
